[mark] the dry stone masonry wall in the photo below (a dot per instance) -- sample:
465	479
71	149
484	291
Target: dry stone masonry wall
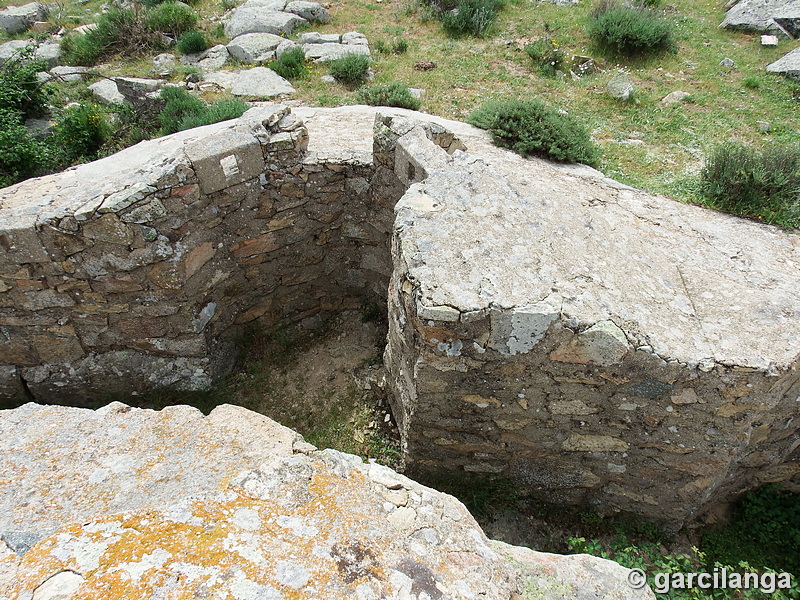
596	344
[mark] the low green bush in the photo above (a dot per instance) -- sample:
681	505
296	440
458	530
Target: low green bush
390	94
547	56
400	46
192	42
82	131
530	127
292	64
174	18
471	17
764	184
184	111
351	69
630	31
21	91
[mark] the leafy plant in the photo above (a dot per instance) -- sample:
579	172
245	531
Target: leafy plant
546	55
471	17
530	127
82	131
184	111
745	181
192	42
390	94
292	64
171	17
630	31
21	92
351	69
21	155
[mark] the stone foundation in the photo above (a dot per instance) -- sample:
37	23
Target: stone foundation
596	344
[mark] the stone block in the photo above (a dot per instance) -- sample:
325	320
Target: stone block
224	160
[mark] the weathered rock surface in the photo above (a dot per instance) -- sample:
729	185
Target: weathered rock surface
620	87
250	18
258	82
779	17
48	52
788	65
330	46
107	92
255	47
235	505
16	19
209	60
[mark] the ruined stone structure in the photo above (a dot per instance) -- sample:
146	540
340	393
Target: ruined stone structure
597	344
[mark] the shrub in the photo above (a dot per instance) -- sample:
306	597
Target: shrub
471	17
82	131
391	94
292	64
120	30
184	111
350	69
751	82
20	90
170	17
547	56
743	181
21	156
630	31
192	42
532	128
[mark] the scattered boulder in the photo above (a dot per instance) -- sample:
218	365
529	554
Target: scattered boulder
314	37
48	52
777	17
39	128
769	40
214	58
253	19
675	97
164	65
310	11
16	19
259	82
324	47
727	63
620	87
788	65
255	47
284	47
764	126
106	91
234	505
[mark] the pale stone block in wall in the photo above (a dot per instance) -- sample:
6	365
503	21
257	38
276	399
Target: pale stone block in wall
225	160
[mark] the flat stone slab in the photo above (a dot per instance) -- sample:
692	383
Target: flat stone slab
328	51
254	19
258	82
788	65
779	17
255	47
235	505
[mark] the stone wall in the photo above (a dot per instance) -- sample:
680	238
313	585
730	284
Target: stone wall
142	267
596	344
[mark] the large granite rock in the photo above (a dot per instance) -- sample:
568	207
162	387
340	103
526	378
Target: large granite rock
788	65
49	52
258	82
172	504
16	19
779	17
255	47
254	19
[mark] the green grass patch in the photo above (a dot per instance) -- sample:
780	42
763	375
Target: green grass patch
630	31
292	64
351	69
184	111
